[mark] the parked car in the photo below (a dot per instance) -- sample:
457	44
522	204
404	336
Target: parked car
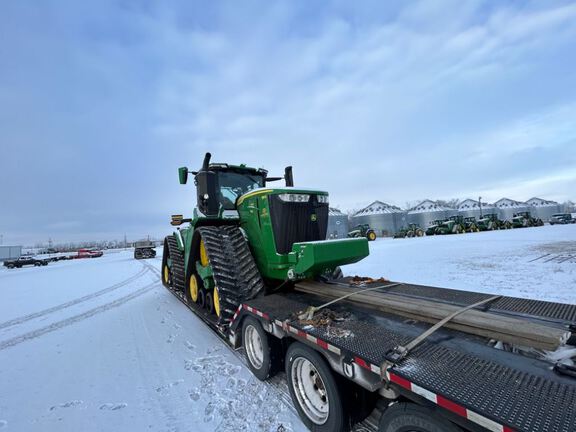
89	253
561	219
24	261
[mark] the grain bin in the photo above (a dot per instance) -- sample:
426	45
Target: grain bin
337	224
507	208
427	211
543	209
384	219
472	208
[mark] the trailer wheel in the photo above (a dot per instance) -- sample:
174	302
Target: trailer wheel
314	390
260	349
409	417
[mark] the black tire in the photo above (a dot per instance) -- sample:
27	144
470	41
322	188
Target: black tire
202	298
270	350
10	266
37	264
45	263
209	303
404	417
337	419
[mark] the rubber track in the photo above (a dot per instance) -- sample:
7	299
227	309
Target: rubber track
177	267
235	272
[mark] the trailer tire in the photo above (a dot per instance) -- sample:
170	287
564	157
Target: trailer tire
404	416
261	350
304	364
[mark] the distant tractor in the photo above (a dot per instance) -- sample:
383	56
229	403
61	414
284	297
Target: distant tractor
525	220
363	231
144	249
412	230
561	219
490	222
433	227
452	225
470	224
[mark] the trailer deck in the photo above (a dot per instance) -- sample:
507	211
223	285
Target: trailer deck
487	388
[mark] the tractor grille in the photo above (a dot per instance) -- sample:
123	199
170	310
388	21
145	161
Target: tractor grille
294	222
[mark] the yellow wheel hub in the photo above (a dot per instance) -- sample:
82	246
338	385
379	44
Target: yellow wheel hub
372	236
193	286
203	254
166	274
216	299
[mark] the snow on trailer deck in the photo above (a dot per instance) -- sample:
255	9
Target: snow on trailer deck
101	345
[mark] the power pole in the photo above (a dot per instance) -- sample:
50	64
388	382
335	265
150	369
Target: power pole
480	205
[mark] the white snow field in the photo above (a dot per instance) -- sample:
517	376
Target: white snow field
537	263
100	345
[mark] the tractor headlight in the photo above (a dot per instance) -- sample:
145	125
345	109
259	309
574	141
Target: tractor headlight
290	197
323	199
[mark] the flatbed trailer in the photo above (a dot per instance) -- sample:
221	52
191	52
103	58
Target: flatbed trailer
457	376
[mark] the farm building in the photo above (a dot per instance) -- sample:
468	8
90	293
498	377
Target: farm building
337	224
384	219
10	252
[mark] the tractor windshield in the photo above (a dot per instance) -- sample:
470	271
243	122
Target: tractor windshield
234	184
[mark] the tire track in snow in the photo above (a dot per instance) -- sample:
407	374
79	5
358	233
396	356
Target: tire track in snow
66	305
75	319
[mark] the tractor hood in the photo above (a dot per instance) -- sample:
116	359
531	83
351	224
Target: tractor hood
296	192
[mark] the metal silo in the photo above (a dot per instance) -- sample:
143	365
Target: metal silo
507	208
382	218
427	211
543	209
337	224
472	208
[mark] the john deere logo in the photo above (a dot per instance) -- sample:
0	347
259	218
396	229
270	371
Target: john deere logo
313	217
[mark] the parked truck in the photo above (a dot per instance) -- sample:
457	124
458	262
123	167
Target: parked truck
144	249
253	264
25	261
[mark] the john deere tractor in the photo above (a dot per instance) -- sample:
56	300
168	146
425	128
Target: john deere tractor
452	225
246	238
490	222
363	231
412	230
524	220
470	224
433	226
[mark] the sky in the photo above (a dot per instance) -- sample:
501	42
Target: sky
101	102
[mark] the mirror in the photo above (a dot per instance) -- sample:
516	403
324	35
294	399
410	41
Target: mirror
183	175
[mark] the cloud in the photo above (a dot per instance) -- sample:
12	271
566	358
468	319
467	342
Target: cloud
395	101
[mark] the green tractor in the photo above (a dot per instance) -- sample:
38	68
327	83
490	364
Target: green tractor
247	238
490	222
452	225
412	230
362	231
470	224
525	220
433	227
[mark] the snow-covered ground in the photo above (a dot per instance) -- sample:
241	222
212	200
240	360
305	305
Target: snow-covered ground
100	345
527	262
